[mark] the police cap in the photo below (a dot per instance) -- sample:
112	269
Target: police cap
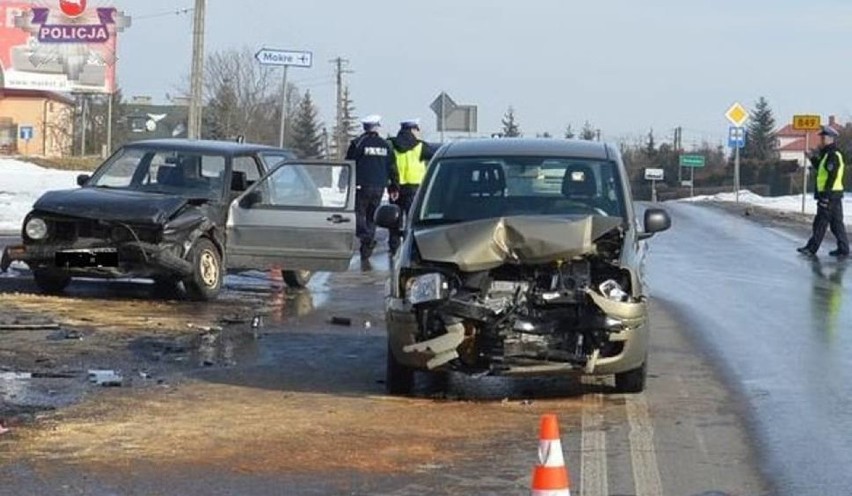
828	131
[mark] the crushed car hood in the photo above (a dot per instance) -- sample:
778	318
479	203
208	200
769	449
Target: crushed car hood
486	244
105	204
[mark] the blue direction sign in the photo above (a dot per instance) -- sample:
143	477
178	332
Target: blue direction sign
270	56
27	132
736	137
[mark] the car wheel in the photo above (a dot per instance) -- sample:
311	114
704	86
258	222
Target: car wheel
632	381
206	280
399	379
296	279
51	282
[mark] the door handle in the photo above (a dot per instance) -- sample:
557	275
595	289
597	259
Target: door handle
338	219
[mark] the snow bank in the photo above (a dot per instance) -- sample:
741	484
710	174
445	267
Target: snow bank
22	183
789	204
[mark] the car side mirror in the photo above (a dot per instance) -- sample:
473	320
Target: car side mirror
251	199
82	179
389	217
656	220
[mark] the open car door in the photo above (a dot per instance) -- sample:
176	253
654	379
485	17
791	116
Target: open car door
299	216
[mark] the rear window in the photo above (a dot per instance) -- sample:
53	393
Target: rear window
465	189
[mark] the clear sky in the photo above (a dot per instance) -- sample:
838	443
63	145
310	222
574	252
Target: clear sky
625	65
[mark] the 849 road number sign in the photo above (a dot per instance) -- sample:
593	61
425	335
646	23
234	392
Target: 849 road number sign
806	122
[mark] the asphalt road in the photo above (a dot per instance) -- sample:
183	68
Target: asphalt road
301	410
779	325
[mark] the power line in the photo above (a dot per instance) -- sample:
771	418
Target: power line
177	12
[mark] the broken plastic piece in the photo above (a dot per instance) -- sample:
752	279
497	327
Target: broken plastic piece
613	290
443	347
341	321
106	378
3	430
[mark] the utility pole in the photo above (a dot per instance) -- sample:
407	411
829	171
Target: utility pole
85	119
110	97
678	140
197	78
340	133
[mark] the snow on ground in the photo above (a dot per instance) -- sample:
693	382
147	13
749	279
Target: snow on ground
788	204
22	184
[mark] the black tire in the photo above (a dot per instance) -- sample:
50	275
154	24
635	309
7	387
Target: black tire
206	280
399	379
632	381
50	281
296	279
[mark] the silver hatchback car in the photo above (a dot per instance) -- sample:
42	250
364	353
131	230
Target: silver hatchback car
520	257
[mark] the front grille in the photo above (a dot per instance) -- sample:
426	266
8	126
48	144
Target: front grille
70	230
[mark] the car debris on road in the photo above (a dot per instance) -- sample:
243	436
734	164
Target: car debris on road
106	378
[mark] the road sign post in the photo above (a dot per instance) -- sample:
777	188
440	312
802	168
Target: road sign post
27	133
284	59
737	115
654	175
693	162
806	123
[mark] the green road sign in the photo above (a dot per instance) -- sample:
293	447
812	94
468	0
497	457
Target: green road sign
692	160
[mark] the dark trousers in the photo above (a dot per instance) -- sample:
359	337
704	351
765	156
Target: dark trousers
829	217
406	198
367	201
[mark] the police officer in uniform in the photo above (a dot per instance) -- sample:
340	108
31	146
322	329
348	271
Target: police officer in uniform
375	170
412	156
830	168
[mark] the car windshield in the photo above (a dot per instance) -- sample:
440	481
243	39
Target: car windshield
173	172
466	189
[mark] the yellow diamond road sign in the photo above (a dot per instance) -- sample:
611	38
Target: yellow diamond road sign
737	114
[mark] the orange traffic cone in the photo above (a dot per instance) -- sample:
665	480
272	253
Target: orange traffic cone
550	476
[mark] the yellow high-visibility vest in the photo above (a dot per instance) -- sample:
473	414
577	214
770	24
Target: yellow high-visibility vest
411	168
822	175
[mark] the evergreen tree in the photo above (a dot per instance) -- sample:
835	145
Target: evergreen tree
219	118
569	132
761	139
588	133
307	134
510	125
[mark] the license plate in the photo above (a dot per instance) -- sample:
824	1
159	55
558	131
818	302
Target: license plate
97	257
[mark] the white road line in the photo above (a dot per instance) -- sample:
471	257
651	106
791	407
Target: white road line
646	473
593	475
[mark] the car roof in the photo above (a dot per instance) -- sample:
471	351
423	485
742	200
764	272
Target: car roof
210	146
527	147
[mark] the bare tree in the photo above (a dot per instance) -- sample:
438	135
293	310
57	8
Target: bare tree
243	98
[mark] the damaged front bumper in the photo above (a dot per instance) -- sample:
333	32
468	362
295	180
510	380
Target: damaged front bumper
130	259
623	324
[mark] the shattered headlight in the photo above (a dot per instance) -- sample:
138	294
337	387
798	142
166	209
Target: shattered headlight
36	229
425	288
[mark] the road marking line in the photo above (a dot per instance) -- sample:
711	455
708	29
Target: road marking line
593	474
646	473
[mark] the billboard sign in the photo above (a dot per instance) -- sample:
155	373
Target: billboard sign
59	45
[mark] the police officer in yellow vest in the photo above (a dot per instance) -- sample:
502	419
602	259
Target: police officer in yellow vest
830	168
412	156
